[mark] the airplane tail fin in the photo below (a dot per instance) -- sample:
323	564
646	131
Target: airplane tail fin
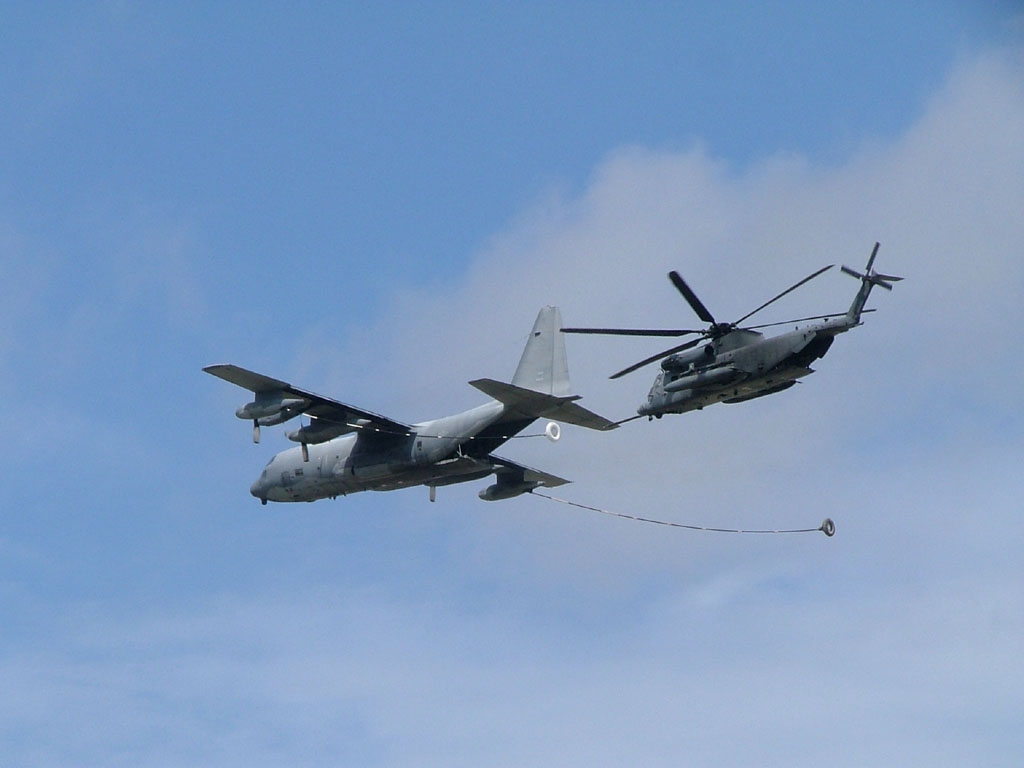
543	366
540	387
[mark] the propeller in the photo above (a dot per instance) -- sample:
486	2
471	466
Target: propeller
788	290
715	330
875	278
632	331
798	320
691	297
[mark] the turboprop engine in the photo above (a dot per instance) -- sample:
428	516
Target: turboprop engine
320	431
270	408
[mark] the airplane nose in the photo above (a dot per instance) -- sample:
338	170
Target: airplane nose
256	489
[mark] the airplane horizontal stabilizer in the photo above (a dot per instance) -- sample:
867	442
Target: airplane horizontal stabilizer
538	405
527	474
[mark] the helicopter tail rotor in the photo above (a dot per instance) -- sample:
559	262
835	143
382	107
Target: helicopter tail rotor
875	278
869	276
868	280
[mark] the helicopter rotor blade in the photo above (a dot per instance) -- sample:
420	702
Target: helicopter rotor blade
852	272
691	297
873	277
656	357
632	331
871	259
791	288
797	320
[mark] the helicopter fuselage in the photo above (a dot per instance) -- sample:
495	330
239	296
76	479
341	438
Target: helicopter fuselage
739	366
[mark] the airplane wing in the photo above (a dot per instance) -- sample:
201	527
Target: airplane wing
459	469
319	407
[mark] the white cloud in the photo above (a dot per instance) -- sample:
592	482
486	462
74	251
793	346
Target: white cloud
363	676
943	200
803	650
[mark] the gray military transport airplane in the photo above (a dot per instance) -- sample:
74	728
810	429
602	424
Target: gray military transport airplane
346	449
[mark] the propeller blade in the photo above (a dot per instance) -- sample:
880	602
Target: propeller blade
888	278
871	260
791	288
882	284
632	331
691	297
852	272
653	358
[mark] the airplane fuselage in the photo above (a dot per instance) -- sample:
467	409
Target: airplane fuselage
437	452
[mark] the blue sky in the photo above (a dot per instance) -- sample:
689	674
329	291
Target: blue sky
373	203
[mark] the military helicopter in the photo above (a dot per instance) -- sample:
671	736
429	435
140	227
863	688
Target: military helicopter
738	363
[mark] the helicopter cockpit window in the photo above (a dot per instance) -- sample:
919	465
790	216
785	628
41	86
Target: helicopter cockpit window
658	383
